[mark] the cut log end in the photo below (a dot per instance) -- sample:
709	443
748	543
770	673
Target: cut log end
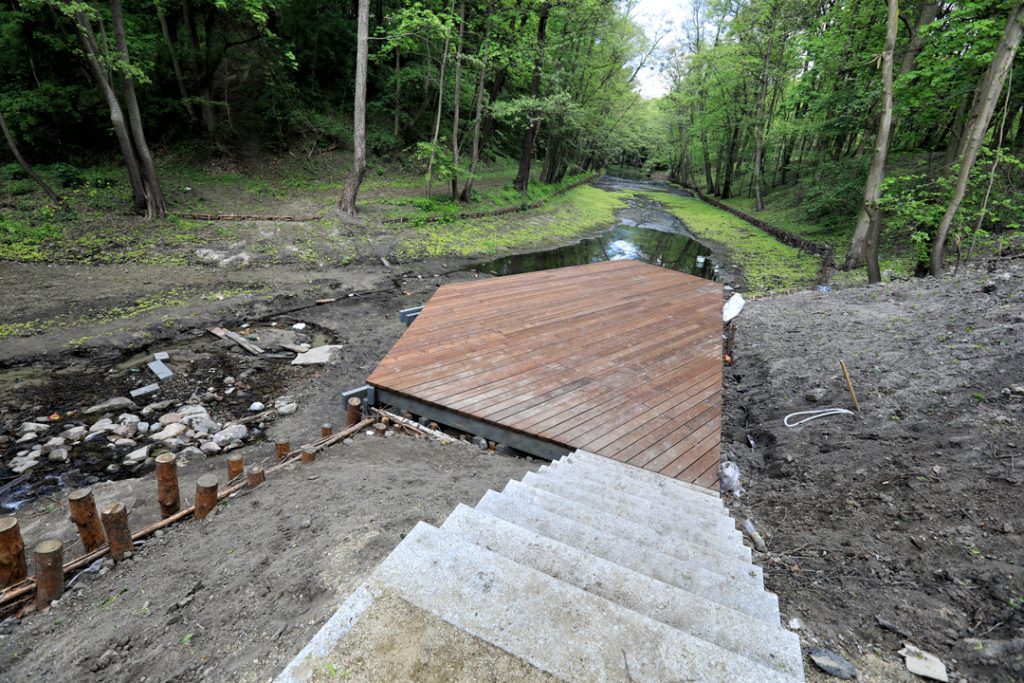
12	552
167	484
82	507
256	476
119	536
236	465
48	557
206	495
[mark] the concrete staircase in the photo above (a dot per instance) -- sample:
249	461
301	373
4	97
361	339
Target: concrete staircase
588	570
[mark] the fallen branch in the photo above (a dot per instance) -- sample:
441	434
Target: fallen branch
13	593
415	426
237	338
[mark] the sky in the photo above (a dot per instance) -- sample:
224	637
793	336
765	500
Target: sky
659	16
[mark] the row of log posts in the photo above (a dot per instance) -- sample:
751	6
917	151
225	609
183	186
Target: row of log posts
111	527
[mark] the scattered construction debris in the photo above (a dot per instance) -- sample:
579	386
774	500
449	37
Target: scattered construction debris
923	663
237	338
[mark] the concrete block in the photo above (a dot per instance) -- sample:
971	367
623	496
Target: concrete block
667	484
746	636
161	371
556	627
733	584
614	476
655	510
708	542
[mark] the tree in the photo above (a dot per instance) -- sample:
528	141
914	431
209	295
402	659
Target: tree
148	197
869	221
985	103
347	205
522	181
36	178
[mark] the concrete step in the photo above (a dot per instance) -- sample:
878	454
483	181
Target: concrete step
556	627
735	631
654	511
735	585
594	514
623	477
668	485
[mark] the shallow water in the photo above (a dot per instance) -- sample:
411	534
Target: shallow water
645	232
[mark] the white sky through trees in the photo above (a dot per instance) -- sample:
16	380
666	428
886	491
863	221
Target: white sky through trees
659	18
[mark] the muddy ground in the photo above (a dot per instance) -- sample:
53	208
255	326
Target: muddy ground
902	524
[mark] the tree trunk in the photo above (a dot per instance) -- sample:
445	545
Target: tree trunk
155	205
522	181
24	164
440	101
398	92
981	116
92	53
467	189
347	205
458	101
175	64
869	222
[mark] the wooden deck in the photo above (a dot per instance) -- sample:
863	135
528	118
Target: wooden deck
620	358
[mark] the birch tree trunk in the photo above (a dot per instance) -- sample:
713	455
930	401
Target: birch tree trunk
347	205
981	115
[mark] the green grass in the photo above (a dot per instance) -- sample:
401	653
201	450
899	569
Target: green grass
575	213
167	299
767	264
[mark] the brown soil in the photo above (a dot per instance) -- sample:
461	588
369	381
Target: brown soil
908	515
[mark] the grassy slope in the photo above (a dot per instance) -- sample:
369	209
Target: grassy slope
575	213
767	264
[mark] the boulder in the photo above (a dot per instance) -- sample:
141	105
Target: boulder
210	448
110	405
169	432
35	427
75	433
58	455
230	434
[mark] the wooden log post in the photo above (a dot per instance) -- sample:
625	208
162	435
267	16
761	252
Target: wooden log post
256	476
83	513
283	449
326	430
236	465
206	495
308	455
354	410
119	536
48	558
167	484
12	552
379	429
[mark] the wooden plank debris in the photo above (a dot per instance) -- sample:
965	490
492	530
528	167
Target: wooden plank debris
237	338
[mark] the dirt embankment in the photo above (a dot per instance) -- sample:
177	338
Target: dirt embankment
902	524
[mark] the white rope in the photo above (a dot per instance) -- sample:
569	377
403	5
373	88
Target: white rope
814	415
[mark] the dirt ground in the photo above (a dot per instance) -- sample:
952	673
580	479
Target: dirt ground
902	524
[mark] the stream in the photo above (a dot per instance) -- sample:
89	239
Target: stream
645	232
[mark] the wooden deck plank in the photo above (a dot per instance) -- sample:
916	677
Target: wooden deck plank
621	358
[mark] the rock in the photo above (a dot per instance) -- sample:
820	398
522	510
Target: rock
188	453
1008	527
795	624
125	431
75	433
34	427
209	255
229	434
113	468
1017	389
169	432
815	395
210	448
142	428
137	455
21	464
239	260
833	664
257	407
306	523
27	436
191	411
127	419
170	418
100	426
55	442
111	405
320	355
158	406
125	443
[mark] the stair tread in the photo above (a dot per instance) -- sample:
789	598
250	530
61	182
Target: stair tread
554	626
668	485
699	616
